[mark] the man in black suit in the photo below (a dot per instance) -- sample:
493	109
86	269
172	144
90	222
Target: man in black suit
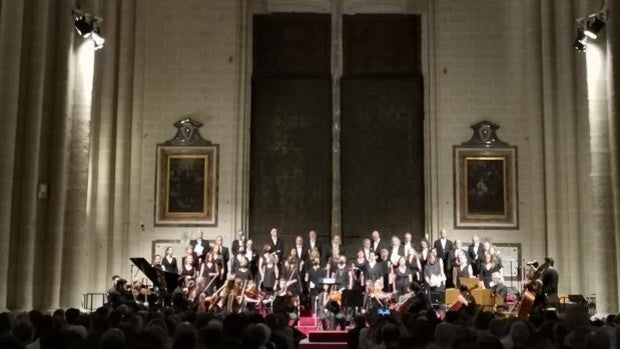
252	256
277	245
377	244
443	247
224	253
312	243
475	253
302	252
239	242
200	247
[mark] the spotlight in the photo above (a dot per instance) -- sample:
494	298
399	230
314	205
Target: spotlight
97	39
580	42
82	26
594	27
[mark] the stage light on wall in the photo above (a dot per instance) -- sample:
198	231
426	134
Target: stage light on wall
87	26
82	26
580	41
594	27
589	28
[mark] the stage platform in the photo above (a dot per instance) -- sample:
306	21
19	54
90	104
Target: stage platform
318	338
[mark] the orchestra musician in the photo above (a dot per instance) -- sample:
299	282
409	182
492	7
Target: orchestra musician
209	270
374	297
329	310
464	301
169	263
179	296
243	273
119	294
292	278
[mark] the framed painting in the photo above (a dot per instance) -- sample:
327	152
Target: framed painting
186	183
485	183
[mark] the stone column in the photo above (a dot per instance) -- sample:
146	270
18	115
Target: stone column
336	61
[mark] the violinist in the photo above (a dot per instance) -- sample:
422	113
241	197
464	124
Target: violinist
119	294
374	297
179	296
208	271
329	311
292	280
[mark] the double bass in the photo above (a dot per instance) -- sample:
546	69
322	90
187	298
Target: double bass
530	290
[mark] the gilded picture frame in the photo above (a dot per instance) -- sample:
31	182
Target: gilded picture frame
485	182
186	179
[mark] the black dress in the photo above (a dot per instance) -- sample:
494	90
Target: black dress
209	268
486	274
243	274
361	269
291	273
269	278
188	272
402	280
170	266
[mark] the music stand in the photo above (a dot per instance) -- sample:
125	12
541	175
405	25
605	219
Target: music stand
352	298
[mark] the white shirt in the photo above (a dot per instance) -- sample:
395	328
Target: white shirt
425	253
375	244
407	248
300	250
312	244
367	253
443	243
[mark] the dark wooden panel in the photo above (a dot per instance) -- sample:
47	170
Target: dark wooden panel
382	156
381	44
292	45
290	167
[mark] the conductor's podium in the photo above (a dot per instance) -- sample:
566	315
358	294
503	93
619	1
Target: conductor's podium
483	297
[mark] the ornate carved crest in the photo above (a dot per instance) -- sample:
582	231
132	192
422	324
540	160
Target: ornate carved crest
187	133
484	136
